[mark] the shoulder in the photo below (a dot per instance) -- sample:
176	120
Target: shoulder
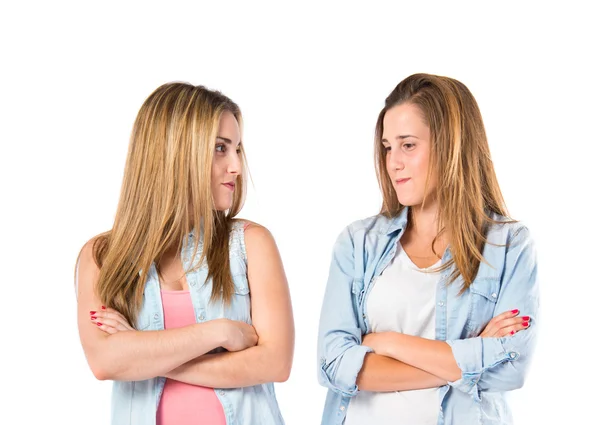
253	232
260	248
249	236
86	258
86	266
509	232
374	225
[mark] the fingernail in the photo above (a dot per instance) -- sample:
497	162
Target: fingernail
526	324
92	312
526	318
103	308
99	324
93	317
512	332
515	311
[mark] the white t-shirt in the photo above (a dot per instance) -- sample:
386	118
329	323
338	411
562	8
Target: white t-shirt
401	300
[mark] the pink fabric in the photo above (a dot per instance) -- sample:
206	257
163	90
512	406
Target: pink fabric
180	403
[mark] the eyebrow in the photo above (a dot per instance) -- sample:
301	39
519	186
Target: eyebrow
226	140
402	137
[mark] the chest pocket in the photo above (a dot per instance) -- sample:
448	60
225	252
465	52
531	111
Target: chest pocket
483	294
239	307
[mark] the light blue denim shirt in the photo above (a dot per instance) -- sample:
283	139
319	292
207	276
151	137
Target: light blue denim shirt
136	402
490	366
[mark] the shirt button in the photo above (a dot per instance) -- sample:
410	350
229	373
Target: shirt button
441	303
156	316
222	392
512	355
494	295
201	317
342	408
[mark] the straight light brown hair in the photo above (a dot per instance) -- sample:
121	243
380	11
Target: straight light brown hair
166	194
467	191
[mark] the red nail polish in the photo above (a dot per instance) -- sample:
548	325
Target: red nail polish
526	318
93	317
515	311
526	324
99	324
92	312
103	308
512	332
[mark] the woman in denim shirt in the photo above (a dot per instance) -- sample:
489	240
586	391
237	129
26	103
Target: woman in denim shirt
184	307
429	315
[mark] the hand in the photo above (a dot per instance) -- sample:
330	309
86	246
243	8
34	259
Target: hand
505	324
110	321
238	335
378	341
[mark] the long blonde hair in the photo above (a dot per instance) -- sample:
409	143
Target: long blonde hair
467	191
166	194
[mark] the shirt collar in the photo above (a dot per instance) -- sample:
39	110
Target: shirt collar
399	222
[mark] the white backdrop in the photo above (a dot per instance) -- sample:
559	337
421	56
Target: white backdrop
310	80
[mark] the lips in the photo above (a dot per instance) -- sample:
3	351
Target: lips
401	181
230	185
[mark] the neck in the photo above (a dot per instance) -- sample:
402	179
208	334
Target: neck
424	221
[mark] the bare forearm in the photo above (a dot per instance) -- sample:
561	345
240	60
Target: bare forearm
139	355
429	355
381	373
253	366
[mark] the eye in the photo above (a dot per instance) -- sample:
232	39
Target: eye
220	148
408	146
387	148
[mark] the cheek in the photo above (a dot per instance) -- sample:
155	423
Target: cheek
421	165
217	169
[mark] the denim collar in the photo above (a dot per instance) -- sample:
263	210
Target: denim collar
399	222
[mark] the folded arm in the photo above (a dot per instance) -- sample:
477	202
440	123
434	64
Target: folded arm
271	359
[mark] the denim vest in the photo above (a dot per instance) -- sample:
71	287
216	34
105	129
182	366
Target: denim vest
490	366
136	402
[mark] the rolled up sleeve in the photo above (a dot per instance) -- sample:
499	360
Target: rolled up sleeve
501	364
340	353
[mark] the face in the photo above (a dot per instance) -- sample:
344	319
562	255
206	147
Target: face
406	139
227	164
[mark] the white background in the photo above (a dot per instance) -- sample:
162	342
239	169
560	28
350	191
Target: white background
310	80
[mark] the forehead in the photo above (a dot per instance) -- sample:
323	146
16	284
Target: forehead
229	127
405	119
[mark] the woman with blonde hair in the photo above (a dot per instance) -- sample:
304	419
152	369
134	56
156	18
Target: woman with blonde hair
184	307
429	315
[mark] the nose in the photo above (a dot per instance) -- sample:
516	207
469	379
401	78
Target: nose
396	160
235	163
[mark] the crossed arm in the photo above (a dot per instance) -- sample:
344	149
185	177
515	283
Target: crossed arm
494	361
263	353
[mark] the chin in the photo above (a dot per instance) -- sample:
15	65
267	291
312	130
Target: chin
409	201
223	206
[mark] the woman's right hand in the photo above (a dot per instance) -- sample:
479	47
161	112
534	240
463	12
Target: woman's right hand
505	324
238	335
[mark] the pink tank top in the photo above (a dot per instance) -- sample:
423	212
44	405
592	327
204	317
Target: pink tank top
180	403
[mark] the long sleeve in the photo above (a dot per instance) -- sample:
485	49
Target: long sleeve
340	353
500	364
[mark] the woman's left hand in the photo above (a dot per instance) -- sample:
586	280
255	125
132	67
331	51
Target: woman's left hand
110	321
